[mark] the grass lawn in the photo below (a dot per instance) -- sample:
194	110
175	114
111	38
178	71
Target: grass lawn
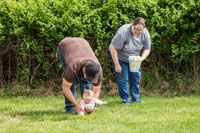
157	115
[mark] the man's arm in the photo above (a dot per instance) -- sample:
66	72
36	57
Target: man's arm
96	90
66	90
114	55
145	54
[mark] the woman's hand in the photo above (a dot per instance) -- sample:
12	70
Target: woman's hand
118	68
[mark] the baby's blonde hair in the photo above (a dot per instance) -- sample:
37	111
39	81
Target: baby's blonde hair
88	95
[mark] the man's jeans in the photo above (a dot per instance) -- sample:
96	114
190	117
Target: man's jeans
122	81
83	84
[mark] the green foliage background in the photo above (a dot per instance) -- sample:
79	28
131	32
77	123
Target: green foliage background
31	29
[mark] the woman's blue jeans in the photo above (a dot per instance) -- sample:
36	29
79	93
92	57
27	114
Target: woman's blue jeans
83	84
125	77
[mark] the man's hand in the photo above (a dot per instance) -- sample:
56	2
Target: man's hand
118	68
78	109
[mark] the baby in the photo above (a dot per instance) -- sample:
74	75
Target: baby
89	101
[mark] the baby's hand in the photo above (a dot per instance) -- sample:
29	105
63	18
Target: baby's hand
105	102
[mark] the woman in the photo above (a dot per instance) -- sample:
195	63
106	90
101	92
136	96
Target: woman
129	40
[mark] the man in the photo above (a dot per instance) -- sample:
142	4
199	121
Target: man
79	65
129	40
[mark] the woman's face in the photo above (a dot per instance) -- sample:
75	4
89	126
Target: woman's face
137	29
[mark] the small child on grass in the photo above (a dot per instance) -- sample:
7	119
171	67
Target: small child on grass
89	101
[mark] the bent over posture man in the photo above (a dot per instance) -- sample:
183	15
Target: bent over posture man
79	65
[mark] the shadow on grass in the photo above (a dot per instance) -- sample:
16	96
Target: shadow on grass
42	115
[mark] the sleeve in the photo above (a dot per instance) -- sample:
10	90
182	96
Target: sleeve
97	101
69	75
82	106
147	41
118	40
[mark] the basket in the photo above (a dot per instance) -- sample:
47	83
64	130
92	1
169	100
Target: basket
134	63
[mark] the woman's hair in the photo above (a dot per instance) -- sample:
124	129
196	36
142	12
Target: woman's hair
139	20
88	95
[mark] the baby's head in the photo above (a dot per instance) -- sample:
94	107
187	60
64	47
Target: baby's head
88	96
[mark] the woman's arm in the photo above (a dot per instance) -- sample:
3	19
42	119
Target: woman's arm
114	55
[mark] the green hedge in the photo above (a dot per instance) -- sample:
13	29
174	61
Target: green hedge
31	29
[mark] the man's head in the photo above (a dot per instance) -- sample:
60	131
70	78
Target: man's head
92	71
